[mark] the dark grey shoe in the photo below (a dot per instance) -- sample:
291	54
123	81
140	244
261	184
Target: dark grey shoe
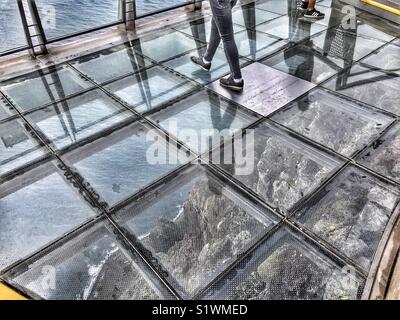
232	84
314	14
200	62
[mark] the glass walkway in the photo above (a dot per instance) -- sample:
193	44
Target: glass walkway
85	215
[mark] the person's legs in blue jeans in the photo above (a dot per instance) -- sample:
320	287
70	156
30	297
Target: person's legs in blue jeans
222	29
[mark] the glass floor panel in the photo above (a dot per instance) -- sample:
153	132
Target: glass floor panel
248	16
351	213
279	168
289	28
368	30
18	147
36	208
150	88
367	85
326	149
257	45
43	87
323	56
305	62
111	63
186	67
165	46
346	45
265	97
95	265
200	29
122	163
386	59
277	6
339	124
194	227
201	120
287	267
6	110
383	156
77	119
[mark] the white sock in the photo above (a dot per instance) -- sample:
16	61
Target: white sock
205	61
238	80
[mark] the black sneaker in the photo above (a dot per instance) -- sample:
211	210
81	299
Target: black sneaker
200	62
232	84
314	14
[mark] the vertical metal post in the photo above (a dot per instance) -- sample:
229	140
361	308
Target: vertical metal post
127	12
33	29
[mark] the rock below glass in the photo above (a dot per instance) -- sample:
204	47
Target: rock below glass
352	213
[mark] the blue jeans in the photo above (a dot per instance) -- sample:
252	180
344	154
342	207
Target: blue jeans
222	28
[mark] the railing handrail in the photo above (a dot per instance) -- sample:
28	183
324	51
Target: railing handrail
126	18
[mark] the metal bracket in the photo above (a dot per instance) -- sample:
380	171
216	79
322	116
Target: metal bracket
33	28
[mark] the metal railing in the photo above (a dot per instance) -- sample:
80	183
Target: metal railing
35	34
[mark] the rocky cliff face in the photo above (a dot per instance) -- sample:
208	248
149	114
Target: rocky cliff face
283	175
210	230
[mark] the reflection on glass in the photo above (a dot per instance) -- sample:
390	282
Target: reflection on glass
95	265
17	146
194	227
35	209
352	213
339	124
284	170
150	88
286	267
78	118
112	63
200	30
43	87
120	164
202	119
284	29
165	46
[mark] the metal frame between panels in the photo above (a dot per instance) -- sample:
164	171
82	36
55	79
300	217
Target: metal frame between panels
36	36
